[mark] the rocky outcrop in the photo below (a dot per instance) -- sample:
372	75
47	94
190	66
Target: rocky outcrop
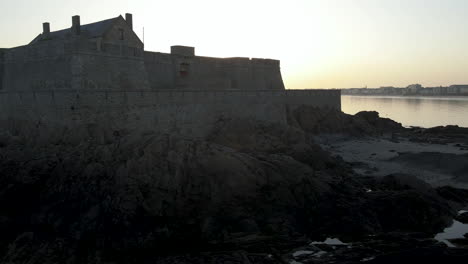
383	125
132	198
319	121
447	130
440	135
463	218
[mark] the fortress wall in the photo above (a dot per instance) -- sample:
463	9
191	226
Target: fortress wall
188	112
2	53
200	73
266	73
56	65
106	72
237	73
161	70
43	66
209	73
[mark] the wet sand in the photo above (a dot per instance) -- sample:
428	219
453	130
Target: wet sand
384	156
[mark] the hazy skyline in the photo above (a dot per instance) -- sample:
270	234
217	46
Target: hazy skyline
321	43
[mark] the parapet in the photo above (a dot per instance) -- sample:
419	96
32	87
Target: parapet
270	62
183	50
250	61
237	60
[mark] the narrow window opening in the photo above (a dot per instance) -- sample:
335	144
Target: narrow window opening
184	69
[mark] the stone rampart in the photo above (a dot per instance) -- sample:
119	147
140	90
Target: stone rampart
91	64
55	65
2	67
172	71
187	112
33	67
100	71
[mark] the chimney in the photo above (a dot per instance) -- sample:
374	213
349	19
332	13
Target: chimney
45	28
129	19
76	30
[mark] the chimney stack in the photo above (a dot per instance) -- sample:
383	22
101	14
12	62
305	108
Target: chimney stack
129	19
76	27
45	28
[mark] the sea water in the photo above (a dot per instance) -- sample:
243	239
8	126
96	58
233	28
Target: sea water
411	110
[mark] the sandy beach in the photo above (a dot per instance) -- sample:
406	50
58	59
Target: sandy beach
436	164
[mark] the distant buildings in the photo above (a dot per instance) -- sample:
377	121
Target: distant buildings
413	89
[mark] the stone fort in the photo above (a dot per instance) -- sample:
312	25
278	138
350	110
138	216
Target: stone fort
99	73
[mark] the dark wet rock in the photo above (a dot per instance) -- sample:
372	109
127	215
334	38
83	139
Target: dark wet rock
439	135
461	242
254	137
457	198
155	193
432	254
463	218
161	193
447	130
249	187
383	248
395	196
400	181
319	121
380	124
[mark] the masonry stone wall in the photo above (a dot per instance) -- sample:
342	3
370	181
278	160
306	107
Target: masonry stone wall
59	65
2	55
187	112
37	67
121	34
108	55
98	75
107	72
161	70
173	71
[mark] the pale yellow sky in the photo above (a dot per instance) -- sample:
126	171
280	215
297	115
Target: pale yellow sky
321	43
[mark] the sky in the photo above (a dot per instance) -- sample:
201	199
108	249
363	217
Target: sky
321	43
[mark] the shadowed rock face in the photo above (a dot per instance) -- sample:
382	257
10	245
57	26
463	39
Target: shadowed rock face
318	121
133	197
440	135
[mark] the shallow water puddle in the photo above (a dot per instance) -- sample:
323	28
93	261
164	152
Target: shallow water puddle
330	241
457	230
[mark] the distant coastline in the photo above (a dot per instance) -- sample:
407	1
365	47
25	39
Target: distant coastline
411	90
411	110
406	95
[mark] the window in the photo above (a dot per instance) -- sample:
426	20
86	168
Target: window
184	69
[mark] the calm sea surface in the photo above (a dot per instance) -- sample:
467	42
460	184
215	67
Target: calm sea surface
412	111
